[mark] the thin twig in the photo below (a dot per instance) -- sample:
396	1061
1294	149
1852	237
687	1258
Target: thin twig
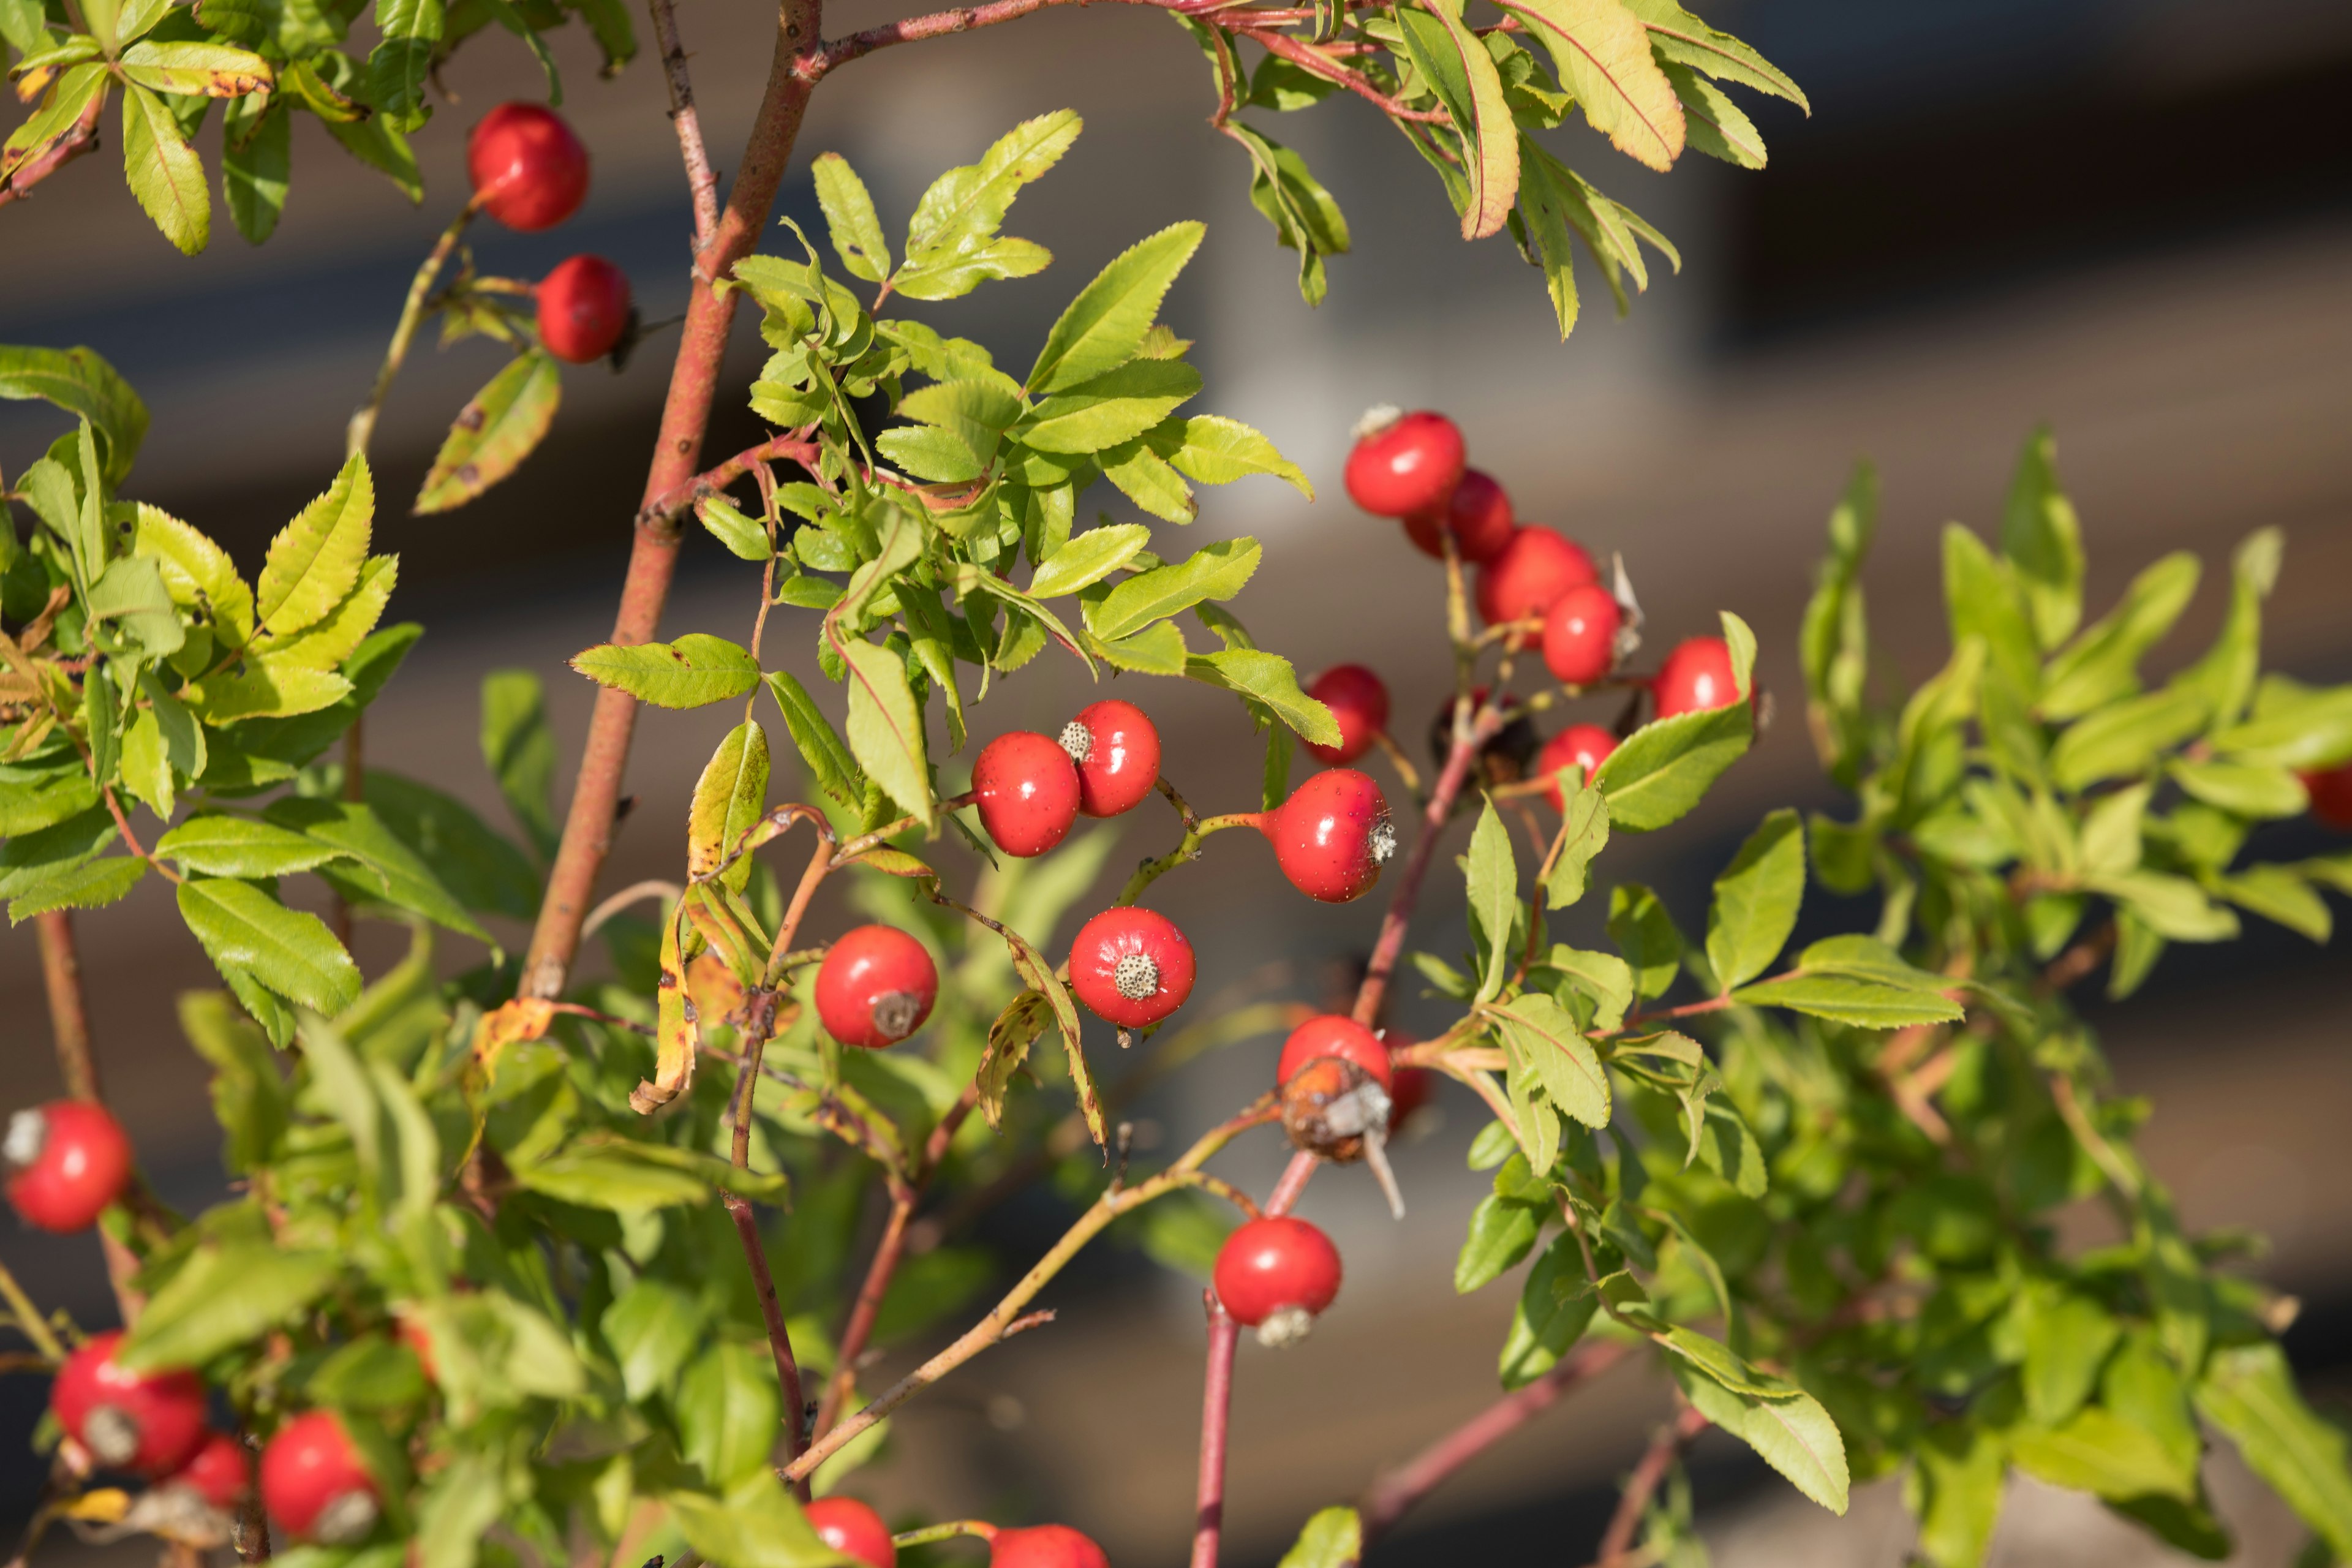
653	888
701	180
362	428
1617	1544
679	498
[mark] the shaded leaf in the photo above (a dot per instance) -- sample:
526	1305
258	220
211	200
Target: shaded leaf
494	432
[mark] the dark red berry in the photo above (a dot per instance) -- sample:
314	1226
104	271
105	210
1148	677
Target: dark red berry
1411	1089
1132	967
1580	745
876	988
1579	635
1333	1034
220	1473
854	1530
1411	463
1117	750
1478	515
1332	835
67	1160
1695	676
2331	794
1276	1275
583	308
528	169
149	1422
313	1483
1360	701
1528	575
1027	790
1044	1546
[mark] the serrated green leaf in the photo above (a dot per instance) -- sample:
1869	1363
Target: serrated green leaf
729	797
92	885
1676	35
196	70
1501	1233
221	845
830	767
315	560
886	727
1539	1032
164	172
481	869
225	1296
1158	650
386	871
850	219
1494	893
1584	833
1103	328
1455	63
1601	53
695	670
497	429
1794	1436
1149	480
246	933
1116	406
1714	125
1215	450
1304	218
1757	900
2249	1393
81	381
1331	1537
950	241
1268	678
1218	570
1088	558
1863	1004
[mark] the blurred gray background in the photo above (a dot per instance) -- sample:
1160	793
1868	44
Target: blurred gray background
2132	220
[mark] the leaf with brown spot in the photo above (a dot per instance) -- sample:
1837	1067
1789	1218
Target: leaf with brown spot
524	1018
494	433
196	70
677	1031
1008	1039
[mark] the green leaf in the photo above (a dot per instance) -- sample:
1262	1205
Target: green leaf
2100	1453
218	845
32	799
315	560
388	870
1755	901
1962	1470
728	1409
1794	1436
2172	907
1103	328
1665	768
1984	600
222	1297
2124	738
2043	540
1502	1231
652	1327
2243	789
130	591
850	219
91	886
196	71
745	538
1644	933
1602	55
2225	676
1218	570
332	640
81	381
1455	64
2277	893
1149	480
728	798
1556	1305
950	243
695	670
520	750
482	870
1494	887
59	116
1539	1031
1268	678
756	1525
463	1500
2103	663
1331	1537
830	767
494	432
1159	650
1088	558
163	171
2249	1393
251	936
249	1099
1583	834
1304	218
396	69
1863	1004
2293	726
2067	1336
1113	407
886	727
1715	125
629	1177
1215	450
1677	36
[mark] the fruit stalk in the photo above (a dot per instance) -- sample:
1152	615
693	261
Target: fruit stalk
362	428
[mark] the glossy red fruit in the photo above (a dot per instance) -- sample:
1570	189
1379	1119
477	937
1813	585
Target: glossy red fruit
146	1422
220	1473
876	988
1412	463
1695	676
2331	794
312	1481
67	1160
1028	792
1333	1034
1360	701
854	1530
1478	515
529	169
1279	1271
583	308
1044	1546
1527	578
1117	750
1412	1089
1132	967
1581	745
1579	635
1332	835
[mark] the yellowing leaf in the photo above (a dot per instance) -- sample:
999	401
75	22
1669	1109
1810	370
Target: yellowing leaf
1603	54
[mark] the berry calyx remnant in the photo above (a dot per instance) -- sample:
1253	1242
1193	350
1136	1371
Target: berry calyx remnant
1579	635
1478	515
1406	465
1334	1110
854	1530
1695	676
1333	1034
584	310
312	1481
528	169
1580	745
1132	967
1332	835
1117	751
67	1160
1044	1546
876	988
1027	790
1358	700
2331	794
1526	578
1276	1275
149	1423
219	1473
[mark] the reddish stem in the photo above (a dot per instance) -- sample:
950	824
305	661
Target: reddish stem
701	180
77	1065
79	139
1313	61
1617	1545
1216	1402
674	502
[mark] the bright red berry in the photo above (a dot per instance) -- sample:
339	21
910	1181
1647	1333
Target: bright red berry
1044	1546
1333	1034
313	1483
876	988
1411	463
220	1473
1478	515
67	1160
1579	635
1027	790
1412	1089
1117	750
583	308
2331	794
1276	1275
1132	967
528	169
146	1422
1332	835
854	1530
1360	701
1695	676
1528	575
1580	745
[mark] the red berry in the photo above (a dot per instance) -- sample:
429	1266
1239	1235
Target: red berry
1044	1546
876	988
1028	792
2331	794
1411	463
1413	1088
1117	750
1478	516
528	169
1332	835
1581	745
1695	676
854	1530
1132	967
146	1422
1358	701
1333	1034
67	1160
583	308
1280	1272
313	1483
220	1473
1579	635
1528	575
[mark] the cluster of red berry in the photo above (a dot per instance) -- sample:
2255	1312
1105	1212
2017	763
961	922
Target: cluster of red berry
856	1532
530	173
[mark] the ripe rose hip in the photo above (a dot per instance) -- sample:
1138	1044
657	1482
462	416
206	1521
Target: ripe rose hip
854	1530
1333	1034
528	169
146	1422
2331	794
876	988
1360	701
1044	1546
1132	967
313	1483
583	308
1332	835
1412	462
1528	575
1027	790
1695	676
1581	745
1117	750
67	1160
220	1473
1478	515
1579	635
1276	1275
